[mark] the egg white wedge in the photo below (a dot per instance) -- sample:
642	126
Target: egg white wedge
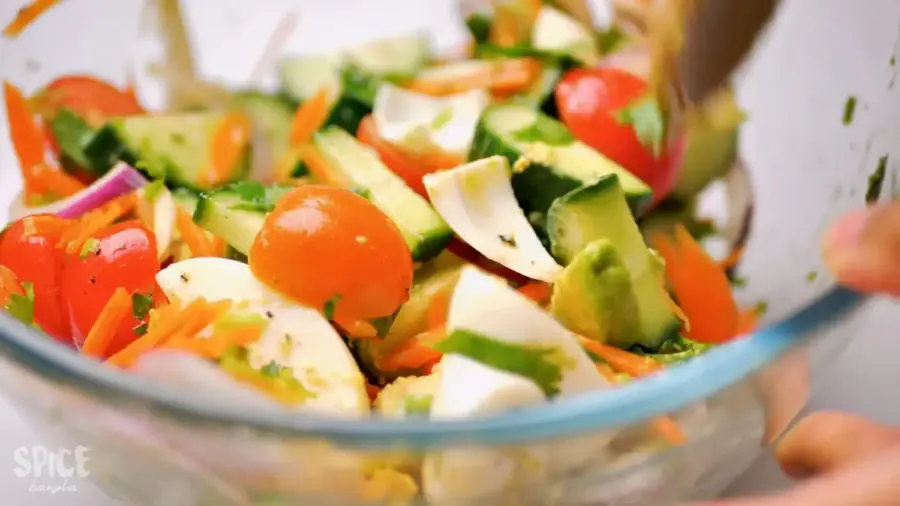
486	305
422	123
477	201
296	337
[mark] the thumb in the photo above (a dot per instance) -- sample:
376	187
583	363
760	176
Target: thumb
863	249
872	482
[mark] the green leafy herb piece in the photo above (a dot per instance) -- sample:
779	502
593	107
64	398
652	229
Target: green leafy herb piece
545	130
649	124
539	364
442	118
362	191
154	166
359	85
876	180
153	189
236	361
330	306
417	404
849	109
272	369
141	305
140	329
479	26
21	307
610	40
254	196
383	325
90	246
761	308
811	276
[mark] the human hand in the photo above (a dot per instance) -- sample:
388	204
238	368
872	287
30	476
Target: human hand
852	461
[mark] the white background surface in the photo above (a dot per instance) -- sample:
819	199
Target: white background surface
856	383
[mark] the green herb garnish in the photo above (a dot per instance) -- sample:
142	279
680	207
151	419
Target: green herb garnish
442	118
330	306
610	40
90	246
545	130
876	180
153	189
362	191
849	109
272	369
254	196
539	364
647	119
140	329
811	276
417	404
21	307
141	305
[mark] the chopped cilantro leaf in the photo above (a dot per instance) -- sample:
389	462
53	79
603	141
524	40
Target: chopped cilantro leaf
140	329
141	305
876	180
417	404
539	364
152	190
811	276
90	246
21	307
545	130
849	109
362	191
155	167
383	325
271	370
330	305
254	196
648	122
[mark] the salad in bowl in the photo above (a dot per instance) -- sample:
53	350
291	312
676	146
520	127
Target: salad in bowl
393	234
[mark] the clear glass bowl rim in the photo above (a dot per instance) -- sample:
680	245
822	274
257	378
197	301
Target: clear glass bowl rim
678	387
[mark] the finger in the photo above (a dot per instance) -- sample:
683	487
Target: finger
863	249
871	482
824	441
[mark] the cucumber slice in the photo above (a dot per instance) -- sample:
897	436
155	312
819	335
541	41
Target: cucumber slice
237	213
548	162
425	232
600	211
177	144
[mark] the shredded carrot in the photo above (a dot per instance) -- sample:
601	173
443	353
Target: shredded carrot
27	139
171	320
55	181
96	220
356	328
733	258
416	353
310	116
319	167
193	236
537	291
190	345
747	321
668	428
28	15
501	77
227	145
438	308
104	329
223	340
607	372
9	285
218	246
621	360
701	287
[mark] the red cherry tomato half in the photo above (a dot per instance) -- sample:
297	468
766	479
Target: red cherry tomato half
324	244
409	167
91	97
121	255
588	100
28	248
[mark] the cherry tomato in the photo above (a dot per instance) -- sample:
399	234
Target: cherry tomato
325	246
121	255
409	167
28	248
91	97
588	101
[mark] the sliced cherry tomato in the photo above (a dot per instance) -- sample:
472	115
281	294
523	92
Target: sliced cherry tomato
589	99
331	249
409	167
121	255
91	97
28	248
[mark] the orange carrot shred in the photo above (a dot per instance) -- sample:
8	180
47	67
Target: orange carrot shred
227	145
438	309
356	328
95	221
668	428
372	391
310	116
621	360
501	77
55	181
415	353
537	291
733	258
104	329
701	287
319	167
27	15
9	285
27	139
193	236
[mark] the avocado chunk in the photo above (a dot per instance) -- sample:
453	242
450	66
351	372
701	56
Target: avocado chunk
575	222
595	297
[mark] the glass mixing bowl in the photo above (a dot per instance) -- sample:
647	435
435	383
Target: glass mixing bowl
153	444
